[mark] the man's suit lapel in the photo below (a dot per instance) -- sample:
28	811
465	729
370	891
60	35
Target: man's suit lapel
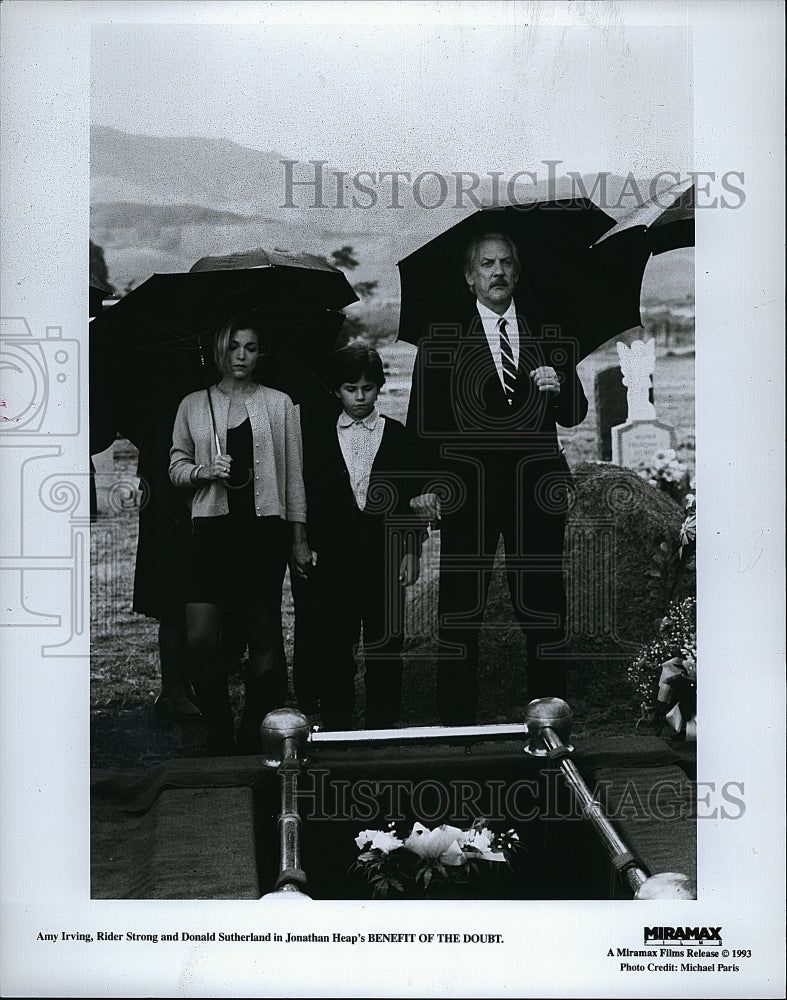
531	355
475	342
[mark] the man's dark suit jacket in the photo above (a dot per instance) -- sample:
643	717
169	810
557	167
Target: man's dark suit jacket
501	470
460	426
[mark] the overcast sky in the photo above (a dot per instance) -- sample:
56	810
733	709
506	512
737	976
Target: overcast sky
384	96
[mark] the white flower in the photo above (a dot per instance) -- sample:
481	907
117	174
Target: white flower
481	841
442	843
688	530
378	840
365	837
386	842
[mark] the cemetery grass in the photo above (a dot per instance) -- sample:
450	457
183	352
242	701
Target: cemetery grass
124	666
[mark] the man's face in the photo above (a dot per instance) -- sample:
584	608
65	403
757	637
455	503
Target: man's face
493	274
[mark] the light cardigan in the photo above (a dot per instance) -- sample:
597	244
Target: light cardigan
278	456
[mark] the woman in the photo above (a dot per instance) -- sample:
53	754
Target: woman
237	446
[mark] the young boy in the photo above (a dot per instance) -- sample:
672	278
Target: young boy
367	545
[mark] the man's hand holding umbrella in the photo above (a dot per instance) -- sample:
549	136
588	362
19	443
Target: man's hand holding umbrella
547	380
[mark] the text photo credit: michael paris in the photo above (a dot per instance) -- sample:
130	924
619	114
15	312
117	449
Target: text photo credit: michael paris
390	568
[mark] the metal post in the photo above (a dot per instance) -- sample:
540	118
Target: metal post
548	721
284	734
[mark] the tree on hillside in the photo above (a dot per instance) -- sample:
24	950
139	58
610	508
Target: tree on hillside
366	289
99	273
355	326
344	258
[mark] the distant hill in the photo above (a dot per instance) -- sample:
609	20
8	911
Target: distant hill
158	204
190	171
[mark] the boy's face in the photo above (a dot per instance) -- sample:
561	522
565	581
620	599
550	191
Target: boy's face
358	398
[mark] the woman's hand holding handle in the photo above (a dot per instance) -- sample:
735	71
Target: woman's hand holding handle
218	469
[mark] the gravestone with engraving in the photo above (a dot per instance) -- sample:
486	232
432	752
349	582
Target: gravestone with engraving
635	442
611	407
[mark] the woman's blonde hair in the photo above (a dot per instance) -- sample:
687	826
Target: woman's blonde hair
223	336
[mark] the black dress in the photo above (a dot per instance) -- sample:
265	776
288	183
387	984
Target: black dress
238	557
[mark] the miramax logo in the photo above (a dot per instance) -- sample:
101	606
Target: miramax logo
683	935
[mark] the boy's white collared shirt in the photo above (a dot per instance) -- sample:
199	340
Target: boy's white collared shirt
359	441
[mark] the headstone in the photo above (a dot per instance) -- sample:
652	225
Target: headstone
611	408
102	475
635	442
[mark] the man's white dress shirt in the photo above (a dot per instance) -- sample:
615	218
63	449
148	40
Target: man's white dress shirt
491	320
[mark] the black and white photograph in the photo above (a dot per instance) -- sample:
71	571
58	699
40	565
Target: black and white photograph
392	428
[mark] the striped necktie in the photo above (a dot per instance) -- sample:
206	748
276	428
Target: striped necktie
507	359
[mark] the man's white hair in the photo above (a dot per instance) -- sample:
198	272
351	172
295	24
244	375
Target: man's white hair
472	248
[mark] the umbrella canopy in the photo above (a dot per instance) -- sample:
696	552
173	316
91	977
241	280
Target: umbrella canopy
97	292
160	334
181	306
615	265
666	220
550	236
581	272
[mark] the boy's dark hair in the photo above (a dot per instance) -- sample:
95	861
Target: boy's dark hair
354	362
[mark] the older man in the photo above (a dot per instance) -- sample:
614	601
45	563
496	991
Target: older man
489	387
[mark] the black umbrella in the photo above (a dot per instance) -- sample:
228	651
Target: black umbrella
178	313
172	317
615	265
666	221
549	237
161	332
96	295
574	279
183	304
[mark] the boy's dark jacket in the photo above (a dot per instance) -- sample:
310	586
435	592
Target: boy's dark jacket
333	520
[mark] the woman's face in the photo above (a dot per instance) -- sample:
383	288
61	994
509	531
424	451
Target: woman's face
242	354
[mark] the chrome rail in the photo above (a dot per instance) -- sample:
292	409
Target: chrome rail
548	721
284	733
420	734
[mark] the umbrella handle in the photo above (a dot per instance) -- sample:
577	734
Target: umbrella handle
213	422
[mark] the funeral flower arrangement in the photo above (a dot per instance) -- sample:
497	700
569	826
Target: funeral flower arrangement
425	860
667	473
664	674
688	530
